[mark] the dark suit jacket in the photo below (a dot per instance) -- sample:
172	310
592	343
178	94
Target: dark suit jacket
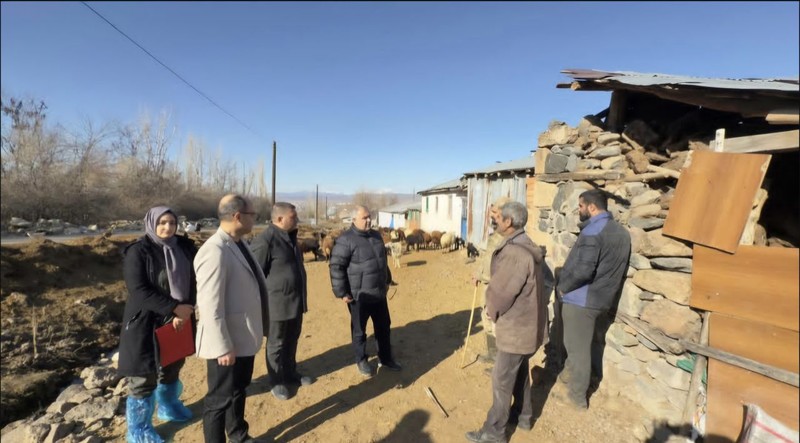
277	253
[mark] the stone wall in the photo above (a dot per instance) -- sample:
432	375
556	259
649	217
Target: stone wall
658	283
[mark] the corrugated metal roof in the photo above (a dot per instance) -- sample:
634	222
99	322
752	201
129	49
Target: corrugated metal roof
446	186
398	208
520	164
653	79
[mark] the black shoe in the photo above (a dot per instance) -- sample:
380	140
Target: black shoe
364	368
281	392
302	380
391	365
482	437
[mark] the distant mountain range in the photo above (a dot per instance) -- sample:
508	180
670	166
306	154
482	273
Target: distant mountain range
302	196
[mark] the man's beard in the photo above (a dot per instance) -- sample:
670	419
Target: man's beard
583	216
493	224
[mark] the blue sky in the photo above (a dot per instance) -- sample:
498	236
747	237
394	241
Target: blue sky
378	96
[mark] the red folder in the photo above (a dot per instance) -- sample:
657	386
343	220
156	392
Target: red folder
174	345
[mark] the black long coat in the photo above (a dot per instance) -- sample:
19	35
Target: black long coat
149	304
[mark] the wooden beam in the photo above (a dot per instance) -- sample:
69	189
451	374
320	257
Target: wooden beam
697	376
680	346
580	175
775	142
616	113
666	171
784	117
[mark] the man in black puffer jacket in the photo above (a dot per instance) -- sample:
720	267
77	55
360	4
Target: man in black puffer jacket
360	276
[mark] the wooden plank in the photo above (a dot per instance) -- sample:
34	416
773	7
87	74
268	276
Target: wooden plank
714	196
784	117
756	283
775	142
581	175
616	111
729	387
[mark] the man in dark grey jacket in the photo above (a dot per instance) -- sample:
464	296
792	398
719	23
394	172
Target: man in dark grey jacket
588	288
276	251
360	276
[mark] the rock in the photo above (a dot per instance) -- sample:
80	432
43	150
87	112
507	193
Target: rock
607	137
638	239
649	296
647	343
637	161
555	163
630	272
635	188
648	224
74	394
557	133
567	239
655	244
675	286
669	375
606	152
571	150
588	163
544	194
572	224
629	302
572	163
90	412
677	161
643	354
59	431
673	264
672	319
121	387
655	157
590	127
617	334
614	163
646	211
99	377
630	365
646	197
19	223
60	407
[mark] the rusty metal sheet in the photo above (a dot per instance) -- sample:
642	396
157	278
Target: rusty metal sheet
714	197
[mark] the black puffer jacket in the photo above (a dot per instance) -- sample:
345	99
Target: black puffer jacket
149	304
358	266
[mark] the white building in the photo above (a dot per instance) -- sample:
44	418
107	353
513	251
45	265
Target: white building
443	208
399	215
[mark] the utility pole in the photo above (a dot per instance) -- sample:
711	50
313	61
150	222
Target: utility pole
316	207
274	156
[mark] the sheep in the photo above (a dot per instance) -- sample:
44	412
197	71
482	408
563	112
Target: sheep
447	241
472	251
414	240
427	238
436	238
328	242
310	245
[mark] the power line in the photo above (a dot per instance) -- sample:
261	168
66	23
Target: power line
172	71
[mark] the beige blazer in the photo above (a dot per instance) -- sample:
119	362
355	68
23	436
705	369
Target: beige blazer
228	300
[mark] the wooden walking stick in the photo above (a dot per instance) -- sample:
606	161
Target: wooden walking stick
469	328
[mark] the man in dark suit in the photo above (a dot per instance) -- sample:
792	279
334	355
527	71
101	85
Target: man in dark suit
277	253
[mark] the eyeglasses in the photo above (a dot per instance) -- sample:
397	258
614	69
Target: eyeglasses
254	214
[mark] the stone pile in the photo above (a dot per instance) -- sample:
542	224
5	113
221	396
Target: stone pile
640	174
79	412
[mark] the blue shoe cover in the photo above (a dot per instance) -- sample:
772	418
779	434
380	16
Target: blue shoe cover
170	407
139	415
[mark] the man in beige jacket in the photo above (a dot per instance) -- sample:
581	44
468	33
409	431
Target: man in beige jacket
231	307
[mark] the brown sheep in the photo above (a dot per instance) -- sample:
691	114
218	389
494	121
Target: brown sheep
328	242
436	237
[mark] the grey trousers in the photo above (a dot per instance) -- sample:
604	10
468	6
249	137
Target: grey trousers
281	353
142	387
510	378
585	340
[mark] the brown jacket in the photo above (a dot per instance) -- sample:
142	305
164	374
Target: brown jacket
515	298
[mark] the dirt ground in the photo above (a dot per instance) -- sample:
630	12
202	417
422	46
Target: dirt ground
79	290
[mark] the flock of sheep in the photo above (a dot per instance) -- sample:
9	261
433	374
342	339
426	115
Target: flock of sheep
397	242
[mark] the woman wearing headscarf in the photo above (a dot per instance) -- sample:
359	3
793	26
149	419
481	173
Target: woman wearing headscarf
161	289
